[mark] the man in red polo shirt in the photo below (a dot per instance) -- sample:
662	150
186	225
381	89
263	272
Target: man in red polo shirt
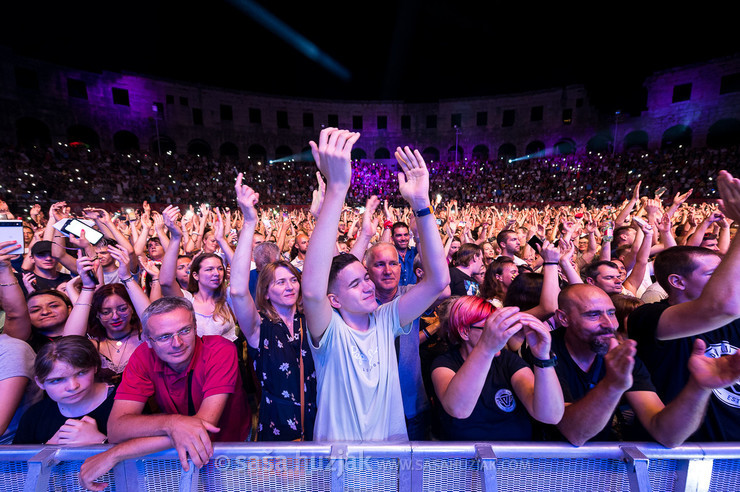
196	383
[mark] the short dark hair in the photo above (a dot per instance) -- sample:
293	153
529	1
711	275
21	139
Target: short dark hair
50	292
504	235
525	291
592	269
75	350
398	225
678	260
466	253
339	263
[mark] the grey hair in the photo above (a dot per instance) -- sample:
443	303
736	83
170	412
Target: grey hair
265	253
165	305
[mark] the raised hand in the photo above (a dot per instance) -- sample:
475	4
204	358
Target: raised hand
169	217
86	268
317	196
413	182
537	335
246	198
334	152
370	225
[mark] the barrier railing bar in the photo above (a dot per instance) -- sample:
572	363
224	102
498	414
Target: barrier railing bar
338	458
189	478
487	458
693	475
39	470
637	469
126	476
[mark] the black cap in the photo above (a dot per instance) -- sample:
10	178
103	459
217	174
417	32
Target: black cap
41	247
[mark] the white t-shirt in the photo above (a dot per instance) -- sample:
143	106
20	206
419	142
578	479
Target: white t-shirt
208	325
359	393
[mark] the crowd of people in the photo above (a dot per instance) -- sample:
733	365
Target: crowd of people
38	174
435	311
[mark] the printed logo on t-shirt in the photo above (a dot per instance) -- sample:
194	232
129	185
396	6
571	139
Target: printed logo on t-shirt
730	395
366	362
505	400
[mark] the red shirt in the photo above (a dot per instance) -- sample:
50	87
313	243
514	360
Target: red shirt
215	371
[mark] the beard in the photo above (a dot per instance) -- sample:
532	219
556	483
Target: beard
599	344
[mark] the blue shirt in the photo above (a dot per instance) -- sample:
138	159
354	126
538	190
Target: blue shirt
408	276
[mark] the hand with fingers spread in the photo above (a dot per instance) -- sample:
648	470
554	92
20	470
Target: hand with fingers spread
413	182
317	196
370	225
334	152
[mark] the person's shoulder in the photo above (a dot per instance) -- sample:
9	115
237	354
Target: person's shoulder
216	343
450	359
15	346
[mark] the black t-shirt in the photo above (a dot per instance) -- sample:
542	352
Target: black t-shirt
43	420
576	383
462	284
42	283
498	415
667	361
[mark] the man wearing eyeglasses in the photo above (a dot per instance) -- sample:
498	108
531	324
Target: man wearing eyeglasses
194	380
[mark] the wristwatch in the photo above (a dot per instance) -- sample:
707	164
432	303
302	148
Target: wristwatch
551	362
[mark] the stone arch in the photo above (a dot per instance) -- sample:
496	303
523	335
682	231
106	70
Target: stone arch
84	134
599	143
564	146
637	139
164	144
451	154
507	151
480	153
125	141
535	147
677	135
228	149
31	132
724	133
199	147
257	153
430	154
358	154
382	153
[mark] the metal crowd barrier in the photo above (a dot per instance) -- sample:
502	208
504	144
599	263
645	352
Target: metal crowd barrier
383	467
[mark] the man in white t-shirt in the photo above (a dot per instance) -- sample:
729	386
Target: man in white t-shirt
359	394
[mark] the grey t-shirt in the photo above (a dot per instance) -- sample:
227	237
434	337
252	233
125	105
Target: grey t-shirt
359	393
16	360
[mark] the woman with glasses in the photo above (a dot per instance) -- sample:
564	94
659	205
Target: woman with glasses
107	316
487	392
77	404
275	329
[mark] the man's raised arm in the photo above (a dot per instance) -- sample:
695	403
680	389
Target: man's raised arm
413	183
332	155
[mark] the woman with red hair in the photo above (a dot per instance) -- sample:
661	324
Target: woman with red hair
486	392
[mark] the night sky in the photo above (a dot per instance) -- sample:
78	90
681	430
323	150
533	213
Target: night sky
411	50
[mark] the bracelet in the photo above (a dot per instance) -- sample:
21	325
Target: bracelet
8	285
426	333
544	363
550	263
155	280
127	279
92	289
82	304
424	211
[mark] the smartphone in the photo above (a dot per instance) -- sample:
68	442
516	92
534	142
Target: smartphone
76	226
660	191
12	230
535	243
439	222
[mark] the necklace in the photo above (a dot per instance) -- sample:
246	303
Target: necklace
119	345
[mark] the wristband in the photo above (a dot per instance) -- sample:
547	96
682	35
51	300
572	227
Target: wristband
88	288
550	263
544	363
426	333
127	279
387	224
8	285
424	211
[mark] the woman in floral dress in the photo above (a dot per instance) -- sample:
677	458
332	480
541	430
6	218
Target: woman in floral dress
275	329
